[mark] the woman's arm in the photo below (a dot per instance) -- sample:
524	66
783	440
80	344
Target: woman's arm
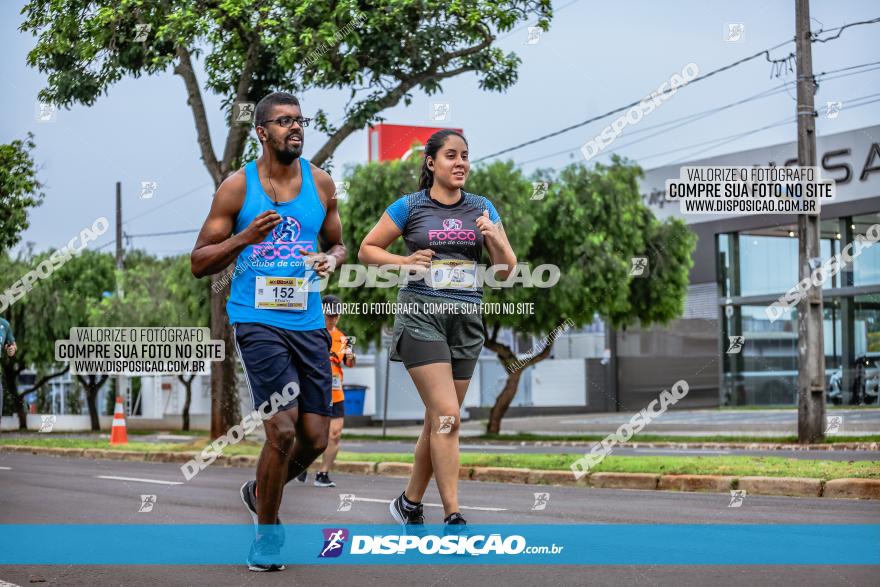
500	251
373	247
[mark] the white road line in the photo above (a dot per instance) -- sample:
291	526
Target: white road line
5	584
5	469
434	505
156	481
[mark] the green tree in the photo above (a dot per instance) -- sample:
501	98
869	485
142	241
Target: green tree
379	52
190	302
19	190
46	314
157	292
590	224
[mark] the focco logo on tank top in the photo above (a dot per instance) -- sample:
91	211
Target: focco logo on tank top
284	243
452	233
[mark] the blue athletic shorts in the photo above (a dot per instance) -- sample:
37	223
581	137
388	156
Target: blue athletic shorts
273	357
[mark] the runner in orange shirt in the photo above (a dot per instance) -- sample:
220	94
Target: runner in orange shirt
341	354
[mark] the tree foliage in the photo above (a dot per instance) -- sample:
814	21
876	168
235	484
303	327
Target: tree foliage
19	190
377	52
47	313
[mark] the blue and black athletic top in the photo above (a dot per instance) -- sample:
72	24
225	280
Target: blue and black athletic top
450	230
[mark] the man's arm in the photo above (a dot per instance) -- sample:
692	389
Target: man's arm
216	246
330	236
8	341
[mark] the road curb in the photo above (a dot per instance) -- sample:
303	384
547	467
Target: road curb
563	478
852	488
786	486
623	480
792	486
356	467
712	483
500	474
394	469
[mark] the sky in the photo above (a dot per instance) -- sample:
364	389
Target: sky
597	56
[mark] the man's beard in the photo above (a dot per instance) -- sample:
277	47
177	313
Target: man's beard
288	154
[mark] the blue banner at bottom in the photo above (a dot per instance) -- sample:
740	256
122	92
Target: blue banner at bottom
351	544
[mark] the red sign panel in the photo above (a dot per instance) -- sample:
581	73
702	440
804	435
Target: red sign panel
387	142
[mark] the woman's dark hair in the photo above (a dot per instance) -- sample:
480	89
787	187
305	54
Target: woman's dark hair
426	178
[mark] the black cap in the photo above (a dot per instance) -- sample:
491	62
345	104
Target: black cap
332	305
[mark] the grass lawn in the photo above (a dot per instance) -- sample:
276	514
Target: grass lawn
773	466
710	465
831	439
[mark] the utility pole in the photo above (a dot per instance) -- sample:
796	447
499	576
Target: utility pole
811	343
119	265
119	226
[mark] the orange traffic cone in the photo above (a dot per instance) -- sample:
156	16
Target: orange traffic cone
118	435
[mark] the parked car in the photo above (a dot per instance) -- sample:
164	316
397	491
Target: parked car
871	383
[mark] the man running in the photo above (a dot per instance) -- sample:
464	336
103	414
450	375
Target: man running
7	342
276	315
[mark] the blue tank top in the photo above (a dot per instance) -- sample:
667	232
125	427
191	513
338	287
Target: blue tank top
258	296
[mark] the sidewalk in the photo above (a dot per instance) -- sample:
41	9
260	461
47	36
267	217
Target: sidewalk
769	423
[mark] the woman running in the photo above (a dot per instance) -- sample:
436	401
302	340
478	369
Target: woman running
445	230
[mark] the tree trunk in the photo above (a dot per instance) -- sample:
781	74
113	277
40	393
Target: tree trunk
92	401
231	411
93	384
21	411
515	369
502	402
224	391
10	389
187	384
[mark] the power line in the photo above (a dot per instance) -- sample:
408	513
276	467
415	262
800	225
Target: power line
765	53
169	233
128	236
700	115
156	208
814	37
698	153
720	141
684	120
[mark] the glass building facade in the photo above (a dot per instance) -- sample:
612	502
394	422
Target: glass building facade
757	266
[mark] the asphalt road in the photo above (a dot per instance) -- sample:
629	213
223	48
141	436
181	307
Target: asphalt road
40	489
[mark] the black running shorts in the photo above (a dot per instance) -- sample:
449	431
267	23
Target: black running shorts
272	357
424	336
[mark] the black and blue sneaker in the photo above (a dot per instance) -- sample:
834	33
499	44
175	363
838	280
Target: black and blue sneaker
455	525
265	552
322	479
249	499
409	515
